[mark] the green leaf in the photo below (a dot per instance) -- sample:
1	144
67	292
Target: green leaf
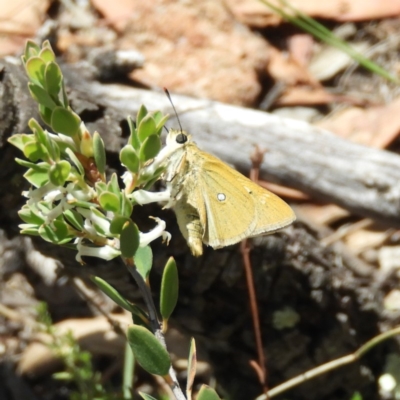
28	216
117	224
59	172
207	393
43	138
133	137
19	140
109	202
144	261
113	185
141	114
31	49
57	232
75	219
148	351
169	289
28	164
129	158
112	293
53	78
146	396
45	114
47	55
146	127
35	151
41	96
65	121
126	206
29	229
160	121
76	161
150	148
99	152
100	187
38	176
129	239
35	67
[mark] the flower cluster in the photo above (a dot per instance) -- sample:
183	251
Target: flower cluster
71	202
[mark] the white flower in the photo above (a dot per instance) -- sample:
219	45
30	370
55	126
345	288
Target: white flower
105	252
93	219
155	233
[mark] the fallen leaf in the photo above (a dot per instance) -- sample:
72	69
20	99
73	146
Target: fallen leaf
20	20
377	126
257	14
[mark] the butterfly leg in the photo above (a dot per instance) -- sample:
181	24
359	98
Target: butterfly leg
190	226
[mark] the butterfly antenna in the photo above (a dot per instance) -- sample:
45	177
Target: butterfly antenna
172	104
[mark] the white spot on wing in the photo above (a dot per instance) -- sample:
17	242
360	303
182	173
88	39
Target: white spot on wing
221	196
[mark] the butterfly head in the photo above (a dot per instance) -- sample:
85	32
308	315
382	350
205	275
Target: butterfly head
178	138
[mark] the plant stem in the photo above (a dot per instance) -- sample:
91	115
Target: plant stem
155	324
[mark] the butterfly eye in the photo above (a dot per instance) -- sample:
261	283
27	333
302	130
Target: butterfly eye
181	138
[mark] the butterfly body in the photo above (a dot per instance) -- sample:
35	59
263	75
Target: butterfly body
215	204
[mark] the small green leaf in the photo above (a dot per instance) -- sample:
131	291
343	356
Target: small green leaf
144	261
59	172
99	152
35	151
117	224
57	232
75	219
141	114
112	293
146	127
148	351
75	160
19	140
150	148
100	187
109	202
41	96
113	185
207	393
45	114
169	289
133	137
160	121
126	206
29	229
129	239
31	49
47	55
28	164
129	158
37	177
35	67
53	78
65	121
28	216
43	138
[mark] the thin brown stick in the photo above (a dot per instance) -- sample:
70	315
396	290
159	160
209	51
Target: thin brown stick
329	366
259	367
